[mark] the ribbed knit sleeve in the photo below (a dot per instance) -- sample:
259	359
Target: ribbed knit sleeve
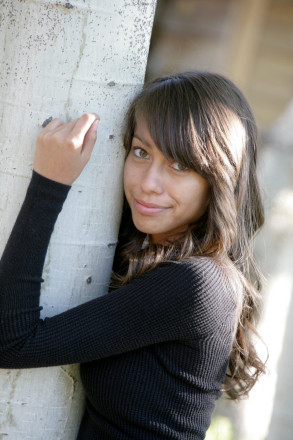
22	261
176	301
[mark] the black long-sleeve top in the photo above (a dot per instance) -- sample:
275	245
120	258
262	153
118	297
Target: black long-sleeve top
153	353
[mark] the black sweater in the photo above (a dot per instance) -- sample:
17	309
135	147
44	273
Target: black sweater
153	353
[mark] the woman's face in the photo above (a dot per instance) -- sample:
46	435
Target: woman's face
164	197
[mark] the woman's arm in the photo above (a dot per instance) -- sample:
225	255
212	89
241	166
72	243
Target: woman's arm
62	152
179	301
175	301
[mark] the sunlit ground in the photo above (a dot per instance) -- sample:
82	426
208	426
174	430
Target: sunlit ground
221	428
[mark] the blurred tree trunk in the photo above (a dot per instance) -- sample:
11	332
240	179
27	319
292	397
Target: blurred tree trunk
61	59
267	414
278	317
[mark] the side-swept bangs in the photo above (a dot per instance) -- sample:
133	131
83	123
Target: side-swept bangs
193	120
170	121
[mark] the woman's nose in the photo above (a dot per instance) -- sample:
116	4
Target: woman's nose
152	180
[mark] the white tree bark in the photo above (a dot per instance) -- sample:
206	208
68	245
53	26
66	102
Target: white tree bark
61	59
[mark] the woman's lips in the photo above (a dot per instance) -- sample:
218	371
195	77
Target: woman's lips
148	208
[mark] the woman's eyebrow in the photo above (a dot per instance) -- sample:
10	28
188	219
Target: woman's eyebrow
142	140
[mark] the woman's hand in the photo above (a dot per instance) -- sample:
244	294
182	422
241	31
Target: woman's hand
63	150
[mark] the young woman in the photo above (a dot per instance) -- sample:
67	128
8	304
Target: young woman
175	330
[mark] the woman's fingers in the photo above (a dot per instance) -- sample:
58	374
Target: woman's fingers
63	149
81	127
74	133
90	139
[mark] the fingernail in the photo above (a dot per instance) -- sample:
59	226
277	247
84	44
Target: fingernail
47	121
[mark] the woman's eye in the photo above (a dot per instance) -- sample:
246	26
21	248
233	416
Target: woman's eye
179	167
141	153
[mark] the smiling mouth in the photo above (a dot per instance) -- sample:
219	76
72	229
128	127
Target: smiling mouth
148	208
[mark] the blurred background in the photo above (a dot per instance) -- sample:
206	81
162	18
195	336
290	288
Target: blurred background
251	42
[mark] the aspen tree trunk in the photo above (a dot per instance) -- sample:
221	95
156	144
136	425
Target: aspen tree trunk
61	59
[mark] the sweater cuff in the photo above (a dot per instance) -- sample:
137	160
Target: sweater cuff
48	186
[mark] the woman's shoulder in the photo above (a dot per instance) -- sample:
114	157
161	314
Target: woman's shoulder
209	271
194	293
215	297
199	281
212	282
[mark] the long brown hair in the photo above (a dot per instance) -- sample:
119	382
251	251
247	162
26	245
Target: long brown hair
204	122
